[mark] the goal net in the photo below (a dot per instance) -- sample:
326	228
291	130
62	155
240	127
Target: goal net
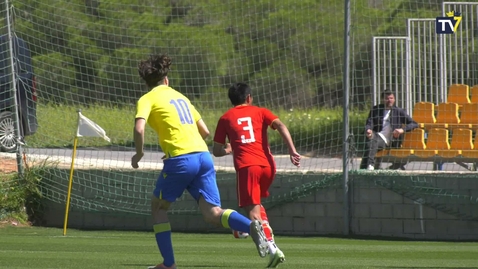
85	56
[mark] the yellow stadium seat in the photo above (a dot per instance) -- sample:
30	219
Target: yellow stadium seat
469	116
437	139
474	94
458	93
473	153
382	153
424	114
462	139
411	141
447	114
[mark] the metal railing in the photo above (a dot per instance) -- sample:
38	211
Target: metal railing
391	69
433	62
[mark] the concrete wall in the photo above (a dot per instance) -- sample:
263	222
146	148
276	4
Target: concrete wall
439	212
299	204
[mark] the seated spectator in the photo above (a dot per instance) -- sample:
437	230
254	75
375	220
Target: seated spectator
384	128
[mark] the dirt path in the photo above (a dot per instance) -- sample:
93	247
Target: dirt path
8	165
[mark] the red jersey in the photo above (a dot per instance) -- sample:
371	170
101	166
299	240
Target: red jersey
246	129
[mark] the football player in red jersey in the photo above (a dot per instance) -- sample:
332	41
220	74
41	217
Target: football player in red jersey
245	126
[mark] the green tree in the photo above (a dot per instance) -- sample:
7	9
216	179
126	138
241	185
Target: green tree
200	56
284	85
119	80
55	74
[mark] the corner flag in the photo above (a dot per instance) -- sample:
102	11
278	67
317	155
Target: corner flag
85	128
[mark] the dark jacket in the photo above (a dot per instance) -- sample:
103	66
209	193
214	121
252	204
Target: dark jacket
398	119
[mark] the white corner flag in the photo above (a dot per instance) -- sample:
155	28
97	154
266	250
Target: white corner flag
87	127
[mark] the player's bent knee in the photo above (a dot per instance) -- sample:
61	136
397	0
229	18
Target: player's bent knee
213	215
159	204
253	212
164	205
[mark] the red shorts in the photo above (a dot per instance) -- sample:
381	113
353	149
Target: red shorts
252	184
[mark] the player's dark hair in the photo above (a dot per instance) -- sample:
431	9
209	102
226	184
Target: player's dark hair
238	93
154	69
386	93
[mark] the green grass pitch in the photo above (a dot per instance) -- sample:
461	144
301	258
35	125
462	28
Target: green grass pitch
41	248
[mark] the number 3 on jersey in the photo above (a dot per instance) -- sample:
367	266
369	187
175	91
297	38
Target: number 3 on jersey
248	127
183	111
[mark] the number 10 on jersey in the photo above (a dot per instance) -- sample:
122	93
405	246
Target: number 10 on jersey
183	111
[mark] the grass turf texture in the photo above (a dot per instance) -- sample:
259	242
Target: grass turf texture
47	248
312	129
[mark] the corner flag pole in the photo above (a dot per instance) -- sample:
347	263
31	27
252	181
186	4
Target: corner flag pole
70	185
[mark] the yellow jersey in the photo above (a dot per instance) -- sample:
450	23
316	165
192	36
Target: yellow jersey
173	118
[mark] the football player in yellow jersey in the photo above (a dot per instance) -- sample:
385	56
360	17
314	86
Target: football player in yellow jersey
188	165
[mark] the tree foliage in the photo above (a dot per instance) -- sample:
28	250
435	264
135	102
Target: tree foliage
291	52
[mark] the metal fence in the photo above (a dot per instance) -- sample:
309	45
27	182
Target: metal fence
458	49
391	68
425	69
433	61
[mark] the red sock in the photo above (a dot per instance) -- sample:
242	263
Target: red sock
265	224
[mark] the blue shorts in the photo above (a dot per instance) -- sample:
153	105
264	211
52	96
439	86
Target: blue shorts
193	172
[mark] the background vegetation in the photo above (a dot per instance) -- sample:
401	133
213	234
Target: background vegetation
20	195
291	53
312	129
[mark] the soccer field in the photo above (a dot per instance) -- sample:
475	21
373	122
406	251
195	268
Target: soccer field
47	248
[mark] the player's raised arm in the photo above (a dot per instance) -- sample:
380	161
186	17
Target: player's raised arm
202	127
219	150
285	134
143	109
138	134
